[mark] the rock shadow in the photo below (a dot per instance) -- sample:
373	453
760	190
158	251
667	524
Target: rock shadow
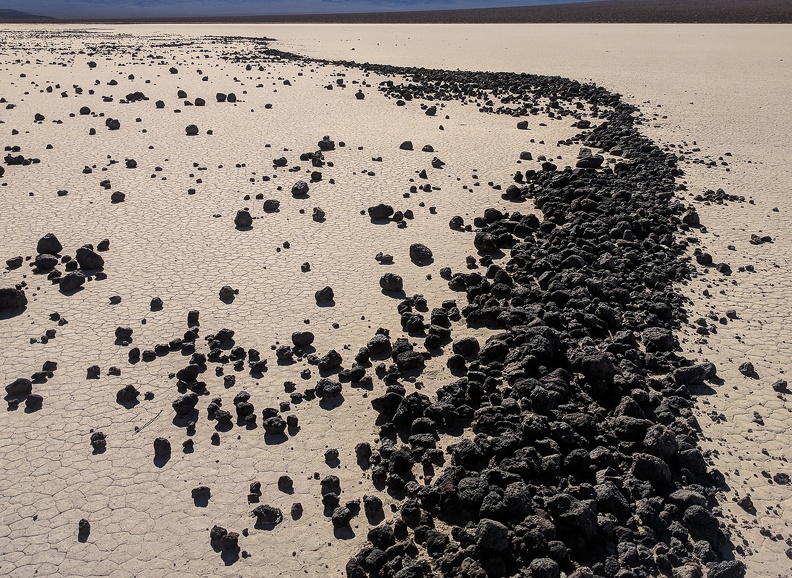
160	461
331	403
275	439
12	312
344	533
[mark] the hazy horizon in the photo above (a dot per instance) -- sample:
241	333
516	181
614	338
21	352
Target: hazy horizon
174	8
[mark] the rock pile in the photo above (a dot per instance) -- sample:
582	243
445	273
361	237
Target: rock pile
585	457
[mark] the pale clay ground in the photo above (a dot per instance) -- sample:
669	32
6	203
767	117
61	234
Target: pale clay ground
166	243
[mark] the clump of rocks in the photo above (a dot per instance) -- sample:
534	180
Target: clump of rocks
584	457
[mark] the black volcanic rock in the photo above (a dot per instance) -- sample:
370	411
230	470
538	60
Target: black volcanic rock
87	258
299	189
380	212
324	295
12	298
126	394
267	516
184	404
391	282
49	243
420	254
302	339
19	387
243	219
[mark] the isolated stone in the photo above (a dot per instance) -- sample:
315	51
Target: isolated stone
243	219
324	295
420	254
391	282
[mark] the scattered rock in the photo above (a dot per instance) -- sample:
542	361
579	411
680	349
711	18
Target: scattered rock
12	298
227	293
380	212
88	259
302	339
420	254
126	394
299	189
267	516
391	282
19	387
162	448
243	219
324	295
83	530
50	244
72	281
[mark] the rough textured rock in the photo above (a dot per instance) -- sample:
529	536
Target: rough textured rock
391	282
89	259
324	295
12	298
18	387
380	212
420	254
50	244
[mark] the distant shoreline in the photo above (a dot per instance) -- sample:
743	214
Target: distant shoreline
597	11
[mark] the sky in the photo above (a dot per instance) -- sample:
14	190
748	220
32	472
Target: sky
169	8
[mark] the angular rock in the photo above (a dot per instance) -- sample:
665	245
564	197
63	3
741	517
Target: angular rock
324	295
19	387
380	212
267	516
391	282
71	281
492	535
50	244
87	258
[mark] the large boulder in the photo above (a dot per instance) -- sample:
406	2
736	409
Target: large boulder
20	386
72	280
12	298
380	212
49	243
87	258
302	339
420	254
391	282
492	535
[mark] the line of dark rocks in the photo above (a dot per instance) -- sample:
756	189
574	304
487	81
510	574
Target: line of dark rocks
585	456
